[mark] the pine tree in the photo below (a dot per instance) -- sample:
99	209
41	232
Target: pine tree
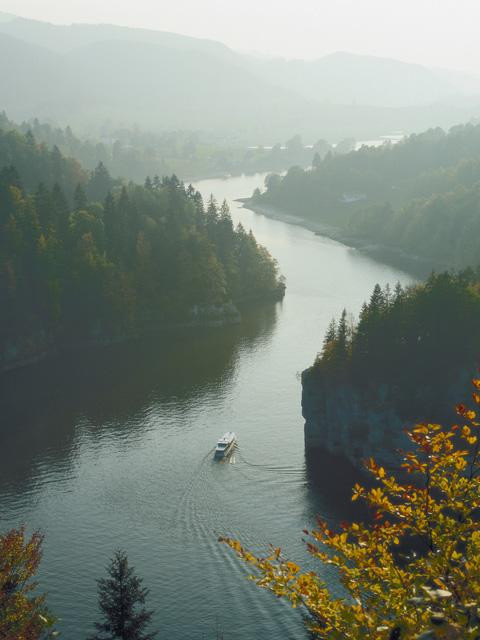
59	208
331	333
225	213
79	198
329	340
387	293
342	335
377	300
44	205
398	293
212	210
121	598
100	183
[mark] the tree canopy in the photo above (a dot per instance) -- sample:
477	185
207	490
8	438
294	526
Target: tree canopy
133	153
416	343
121	600
23	612
420	196
99	259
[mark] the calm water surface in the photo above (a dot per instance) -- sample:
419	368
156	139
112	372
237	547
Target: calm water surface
114	449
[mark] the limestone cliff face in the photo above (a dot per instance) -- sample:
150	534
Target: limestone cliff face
359	424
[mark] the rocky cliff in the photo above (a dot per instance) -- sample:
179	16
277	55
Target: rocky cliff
362	422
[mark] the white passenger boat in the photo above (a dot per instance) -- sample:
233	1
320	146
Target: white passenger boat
225	445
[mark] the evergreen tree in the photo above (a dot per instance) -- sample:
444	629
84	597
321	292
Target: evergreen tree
100	183
387	292
225	216
329	341
398	293
342	335
331	333
79	198
59	208
377	300
44	205
121	598
9	176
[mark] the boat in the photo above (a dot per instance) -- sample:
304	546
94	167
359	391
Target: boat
225	445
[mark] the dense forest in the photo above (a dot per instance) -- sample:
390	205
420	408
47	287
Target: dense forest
420	195
413	342
132	153
86	258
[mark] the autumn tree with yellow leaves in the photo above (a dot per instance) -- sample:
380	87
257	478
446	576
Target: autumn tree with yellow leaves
412	571
23	614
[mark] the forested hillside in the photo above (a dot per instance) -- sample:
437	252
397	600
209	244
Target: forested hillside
132	153
86	258
420	196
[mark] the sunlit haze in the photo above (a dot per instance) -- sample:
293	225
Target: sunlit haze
431	32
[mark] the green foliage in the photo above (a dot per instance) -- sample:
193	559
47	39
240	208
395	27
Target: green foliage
121	598
421	196
73	270
133	154
23	614
413	342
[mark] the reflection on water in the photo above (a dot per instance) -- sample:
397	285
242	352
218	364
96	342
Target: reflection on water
113	389
115	448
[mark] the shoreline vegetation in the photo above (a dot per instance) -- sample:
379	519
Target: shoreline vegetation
414	203
132	154
86	259
386	254
207	318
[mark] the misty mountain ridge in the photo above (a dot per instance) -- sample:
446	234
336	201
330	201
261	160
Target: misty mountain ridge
164	80
346	78
64	38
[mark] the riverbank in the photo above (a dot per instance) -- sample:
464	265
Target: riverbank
36	349
415	265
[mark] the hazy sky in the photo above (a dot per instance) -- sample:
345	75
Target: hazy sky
433	32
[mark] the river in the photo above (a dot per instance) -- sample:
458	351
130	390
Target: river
113	448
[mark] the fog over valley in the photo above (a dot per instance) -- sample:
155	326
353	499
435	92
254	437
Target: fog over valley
239	313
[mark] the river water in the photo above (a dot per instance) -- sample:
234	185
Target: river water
113	448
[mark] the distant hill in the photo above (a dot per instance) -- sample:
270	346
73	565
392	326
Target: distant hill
64	38
152	85
86	75
346	78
